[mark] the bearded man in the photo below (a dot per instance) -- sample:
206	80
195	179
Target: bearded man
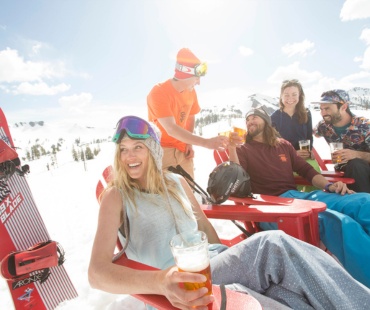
339	124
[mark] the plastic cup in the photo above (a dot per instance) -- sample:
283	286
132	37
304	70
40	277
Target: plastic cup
304	145
241	132
190	250
334	147
225	133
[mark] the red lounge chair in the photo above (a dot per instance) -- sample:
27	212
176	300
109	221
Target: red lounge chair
310	227
234	300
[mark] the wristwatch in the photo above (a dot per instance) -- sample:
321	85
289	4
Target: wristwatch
326	188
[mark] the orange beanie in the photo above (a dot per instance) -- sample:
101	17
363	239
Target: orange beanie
186	58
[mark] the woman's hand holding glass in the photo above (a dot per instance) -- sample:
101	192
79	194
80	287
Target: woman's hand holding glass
172	281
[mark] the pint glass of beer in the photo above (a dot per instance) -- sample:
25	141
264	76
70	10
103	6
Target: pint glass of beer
190	250
334	147
224	133
304	145
241	132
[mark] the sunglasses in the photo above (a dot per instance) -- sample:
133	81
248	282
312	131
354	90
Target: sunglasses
290	81
135	127
198	70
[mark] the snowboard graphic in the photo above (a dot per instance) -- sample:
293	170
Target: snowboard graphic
25	243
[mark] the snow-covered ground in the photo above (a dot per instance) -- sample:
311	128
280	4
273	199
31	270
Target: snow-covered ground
65	196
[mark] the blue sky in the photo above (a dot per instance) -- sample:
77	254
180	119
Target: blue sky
93	61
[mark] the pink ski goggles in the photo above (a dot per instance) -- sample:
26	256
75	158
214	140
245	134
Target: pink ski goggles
135	127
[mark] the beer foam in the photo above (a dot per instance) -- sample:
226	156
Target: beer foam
193	263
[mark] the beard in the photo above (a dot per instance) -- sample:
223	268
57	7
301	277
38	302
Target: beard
256	130
333	119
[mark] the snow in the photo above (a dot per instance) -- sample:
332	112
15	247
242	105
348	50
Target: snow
65	196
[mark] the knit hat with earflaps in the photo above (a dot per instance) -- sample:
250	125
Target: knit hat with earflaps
155	147
260	111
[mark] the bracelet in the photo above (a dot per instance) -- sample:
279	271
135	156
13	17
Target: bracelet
326	188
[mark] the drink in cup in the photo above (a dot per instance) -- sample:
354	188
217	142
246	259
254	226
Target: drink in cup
224	133
190	250
304	145
336	146
241	132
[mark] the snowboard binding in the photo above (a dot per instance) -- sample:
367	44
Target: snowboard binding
38	258
9	163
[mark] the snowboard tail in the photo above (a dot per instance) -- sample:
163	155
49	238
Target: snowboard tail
46	284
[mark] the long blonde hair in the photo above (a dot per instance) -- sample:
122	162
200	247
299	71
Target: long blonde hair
158	181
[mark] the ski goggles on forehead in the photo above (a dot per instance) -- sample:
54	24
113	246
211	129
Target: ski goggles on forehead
198	70
135	127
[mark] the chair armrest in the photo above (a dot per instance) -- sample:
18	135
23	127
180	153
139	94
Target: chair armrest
235	300
291	219
157	301
258	213
258	199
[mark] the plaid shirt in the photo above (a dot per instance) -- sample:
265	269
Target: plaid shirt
356	137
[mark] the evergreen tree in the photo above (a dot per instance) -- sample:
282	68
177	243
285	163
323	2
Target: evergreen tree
74	154
88	153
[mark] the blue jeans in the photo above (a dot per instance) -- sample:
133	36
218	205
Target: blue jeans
344	228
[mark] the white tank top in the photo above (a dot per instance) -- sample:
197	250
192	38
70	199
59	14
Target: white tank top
152	226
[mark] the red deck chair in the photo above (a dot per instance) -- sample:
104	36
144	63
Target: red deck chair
235	300
311	228
330	173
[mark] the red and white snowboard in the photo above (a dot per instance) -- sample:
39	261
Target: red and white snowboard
21	228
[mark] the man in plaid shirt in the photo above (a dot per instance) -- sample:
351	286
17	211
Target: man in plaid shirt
339	124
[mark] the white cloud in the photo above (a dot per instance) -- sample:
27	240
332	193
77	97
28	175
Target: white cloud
366	60
40	88
76	103
365	36
14	68
302	48
36	48
356	79
293	71
245	51
355	9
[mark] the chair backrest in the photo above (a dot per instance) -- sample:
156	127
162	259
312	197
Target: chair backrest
322	163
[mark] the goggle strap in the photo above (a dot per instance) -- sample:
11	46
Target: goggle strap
185	69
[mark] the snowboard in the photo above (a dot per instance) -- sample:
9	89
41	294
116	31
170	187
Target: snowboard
21	228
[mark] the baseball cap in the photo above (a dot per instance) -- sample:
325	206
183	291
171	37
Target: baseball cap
334	96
